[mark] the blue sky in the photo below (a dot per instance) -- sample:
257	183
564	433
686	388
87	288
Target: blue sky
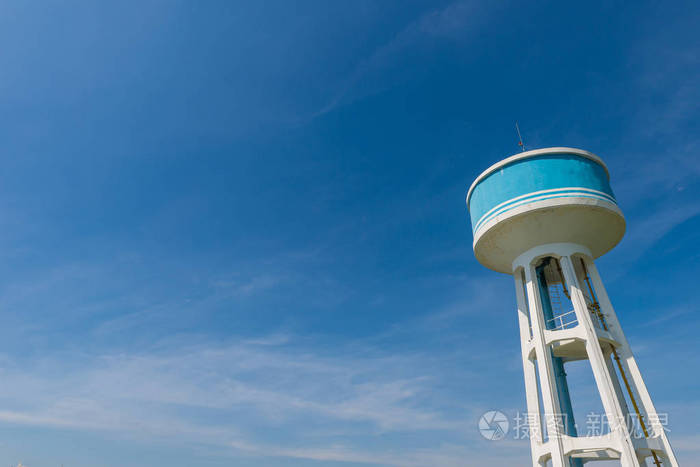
234	233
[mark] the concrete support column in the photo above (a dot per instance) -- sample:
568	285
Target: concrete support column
550	397
630	367
604	383
616	383
534	420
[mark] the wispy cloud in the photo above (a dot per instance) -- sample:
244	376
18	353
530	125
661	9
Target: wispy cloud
444	455
455	22
265	383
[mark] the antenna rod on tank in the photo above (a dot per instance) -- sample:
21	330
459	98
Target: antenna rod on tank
520	138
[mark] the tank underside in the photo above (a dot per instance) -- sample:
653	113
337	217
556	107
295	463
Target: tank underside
596	224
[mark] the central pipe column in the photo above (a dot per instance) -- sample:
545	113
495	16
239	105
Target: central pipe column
565	407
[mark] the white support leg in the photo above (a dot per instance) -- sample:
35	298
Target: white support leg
616	385
629	364
534	419
550	397
535	338
606	388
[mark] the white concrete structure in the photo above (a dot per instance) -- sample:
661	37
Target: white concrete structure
544	216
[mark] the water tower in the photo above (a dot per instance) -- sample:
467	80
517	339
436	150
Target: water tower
544	216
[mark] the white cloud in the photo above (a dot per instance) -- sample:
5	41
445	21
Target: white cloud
316	398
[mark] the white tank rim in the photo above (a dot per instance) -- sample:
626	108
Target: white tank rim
534	153
522	237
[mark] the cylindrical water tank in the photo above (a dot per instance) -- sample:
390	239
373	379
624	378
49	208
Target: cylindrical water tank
550	195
